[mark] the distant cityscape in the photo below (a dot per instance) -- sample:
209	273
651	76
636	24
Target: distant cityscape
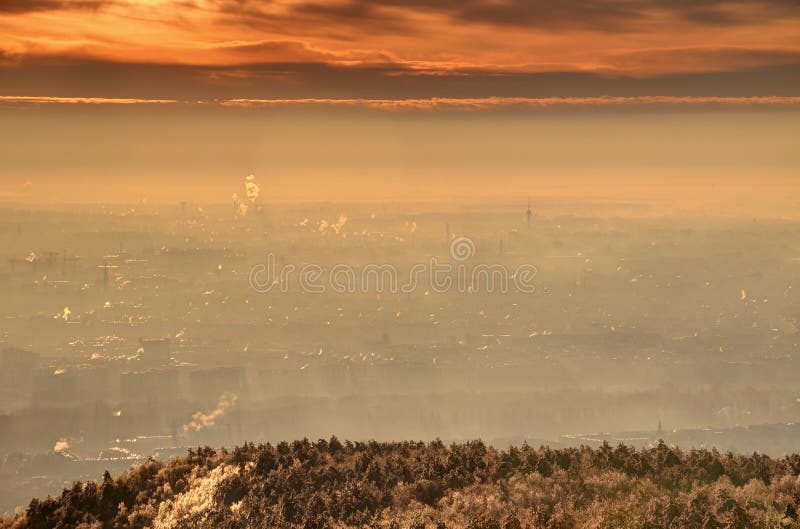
131	333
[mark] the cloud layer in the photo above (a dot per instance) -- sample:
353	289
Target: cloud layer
375	49
519	102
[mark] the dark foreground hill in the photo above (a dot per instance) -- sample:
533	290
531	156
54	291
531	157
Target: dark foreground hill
416	485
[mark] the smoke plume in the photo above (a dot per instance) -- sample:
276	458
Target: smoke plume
201	421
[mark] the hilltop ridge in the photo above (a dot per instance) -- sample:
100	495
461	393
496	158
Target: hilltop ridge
329	483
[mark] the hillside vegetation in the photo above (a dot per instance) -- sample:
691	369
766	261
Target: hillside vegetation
415	485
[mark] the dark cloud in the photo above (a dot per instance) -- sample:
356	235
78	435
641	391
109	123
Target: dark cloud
86	78
27	6
607	14
395	16
731	12
6	58
603	15
595	14
337	20
709	58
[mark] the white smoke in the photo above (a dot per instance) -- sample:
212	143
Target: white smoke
65	443
252	192
201	421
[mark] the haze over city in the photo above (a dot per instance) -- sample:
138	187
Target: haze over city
351	264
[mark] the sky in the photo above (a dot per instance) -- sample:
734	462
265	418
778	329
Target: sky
116	99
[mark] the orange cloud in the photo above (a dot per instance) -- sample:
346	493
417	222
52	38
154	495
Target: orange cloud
530	102
635	37
82	100
436	103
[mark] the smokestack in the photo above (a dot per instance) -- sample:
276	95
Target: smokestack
105	274
529	213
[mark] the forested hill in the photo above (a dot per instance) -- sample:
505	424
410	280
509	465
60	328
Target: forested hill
416	485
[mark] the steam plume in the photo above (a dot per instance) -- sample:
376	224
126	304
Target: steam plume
252	191
201	421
